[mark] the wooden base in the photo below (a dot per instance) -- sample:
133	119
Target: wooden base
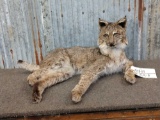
152	114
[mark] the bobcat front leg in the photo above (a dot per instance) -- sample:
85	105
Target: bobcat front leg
87	78
128	73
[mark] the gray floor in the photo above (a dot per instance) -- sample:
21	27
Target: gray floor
108	93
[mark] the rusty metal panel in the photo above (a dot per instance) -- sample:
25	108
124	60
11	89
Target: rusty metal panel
5	46
153	44
31	28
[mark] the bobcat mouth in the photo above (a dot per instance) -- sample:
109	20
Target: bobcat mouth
112	45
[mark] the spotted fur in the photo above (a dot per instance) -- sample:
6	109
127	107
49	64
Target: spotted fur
92	63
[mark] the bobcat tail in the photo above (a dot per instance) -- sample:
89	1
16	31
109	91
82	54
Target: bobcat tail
27	66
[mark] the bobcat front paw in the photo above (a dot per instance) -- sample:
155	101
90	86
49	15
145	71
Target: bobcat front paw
76	96
130	76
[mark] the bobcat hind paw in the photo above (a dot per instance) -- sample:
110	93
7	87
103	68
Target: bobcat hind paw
37	97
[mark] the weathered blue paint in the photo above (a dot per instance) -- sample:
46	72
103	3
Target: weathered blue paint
31	28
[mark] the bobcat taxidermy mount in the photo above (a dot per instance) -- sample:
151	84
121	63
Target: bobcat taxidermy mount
91	62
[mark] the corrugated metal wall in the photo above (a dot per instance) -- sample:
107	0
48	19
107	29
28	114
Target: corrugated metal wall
31	28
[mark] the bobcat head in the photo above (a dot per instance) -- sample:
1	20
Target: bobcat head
112	35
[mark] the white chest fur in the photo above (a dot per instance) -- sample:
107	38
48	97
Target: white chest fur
117	62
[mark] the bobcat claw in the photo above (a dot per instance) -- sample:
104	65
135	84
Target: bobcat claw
132	81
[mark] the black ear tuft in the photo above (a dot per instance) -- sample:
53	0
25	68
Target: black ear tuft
20	61
122	22
123	25
102	23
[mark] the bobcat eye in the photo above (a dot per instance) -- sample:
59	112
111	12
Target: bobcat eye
117	35
105	35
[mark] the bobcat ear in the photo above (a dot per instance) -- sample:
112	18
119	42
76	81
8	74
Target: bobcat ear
122	22
102	23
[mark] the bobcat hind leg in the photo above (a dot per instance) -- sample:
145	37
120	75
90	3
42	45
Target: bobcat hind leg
36	76
49	79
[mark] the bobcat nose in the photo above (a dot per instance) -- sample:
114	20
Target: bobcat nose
111	45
